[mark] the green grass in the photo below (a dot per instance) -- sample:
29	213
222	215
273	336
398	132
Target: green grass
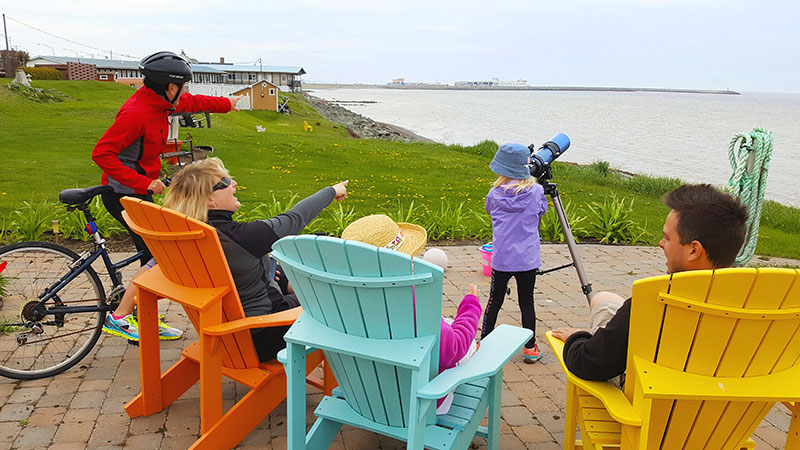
47	148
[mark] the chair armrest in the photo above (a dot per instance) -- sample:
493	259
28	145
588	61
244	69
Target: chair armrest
197	298
612	398
278	319
662	382
496	349
406	353
282	358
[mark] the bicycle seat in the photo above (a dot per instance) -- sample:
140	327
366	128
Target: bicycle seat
82	195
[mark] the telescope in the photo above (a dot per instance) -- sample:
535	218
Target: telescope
540	169
549	151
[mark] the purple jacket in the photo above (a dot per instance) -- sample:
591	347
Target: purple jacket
515	227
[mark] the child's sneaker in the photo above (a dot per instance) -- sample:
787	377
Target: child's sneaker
125	327
531	355
167	333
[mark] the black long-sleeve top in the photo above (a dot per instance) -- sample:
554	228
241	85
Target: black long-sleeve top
602	355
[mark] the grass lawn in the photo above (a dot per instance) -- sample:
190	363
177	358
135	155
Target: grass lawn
46	147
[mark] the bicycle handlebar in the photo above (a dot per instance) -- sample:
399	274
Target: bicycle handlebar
166	181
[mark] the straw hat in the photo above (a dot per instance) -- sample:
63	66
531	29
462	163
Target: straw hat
381	231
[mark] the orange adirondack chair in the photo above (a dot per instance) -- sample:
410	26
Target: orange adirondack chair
192	271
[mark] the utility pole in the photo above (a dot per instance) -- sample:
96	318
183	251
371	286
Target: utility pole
5	30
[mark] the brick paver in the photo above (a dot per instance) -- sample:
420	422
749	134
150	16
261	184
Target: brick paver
83	408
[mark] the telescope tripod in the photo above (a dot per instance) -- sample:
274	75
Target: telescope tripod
551	190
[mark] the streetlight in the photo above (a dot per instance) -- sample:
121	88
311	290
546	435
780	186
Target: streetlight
50	47
71	50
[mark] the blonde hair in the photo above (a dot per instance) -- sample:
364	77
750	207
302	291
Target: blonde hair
192	186
520	185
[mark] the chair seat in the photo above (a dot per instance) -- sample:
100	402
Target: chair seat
466	399
251	377
469	399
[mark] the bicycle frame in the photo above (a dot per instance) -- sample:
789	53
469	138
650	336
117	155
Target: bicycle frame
86	260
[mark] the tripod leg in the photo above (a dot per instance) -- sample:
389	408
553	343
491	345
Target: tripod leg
586	287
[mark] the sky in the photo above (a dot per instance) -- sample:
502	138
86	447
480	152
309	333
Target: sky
741	45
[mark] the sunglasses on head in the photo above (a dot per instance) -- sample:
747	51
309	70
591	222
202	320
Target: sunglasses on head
222	184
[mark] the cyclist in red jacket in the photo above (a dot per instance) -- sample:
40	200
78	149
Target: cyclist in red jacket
129	150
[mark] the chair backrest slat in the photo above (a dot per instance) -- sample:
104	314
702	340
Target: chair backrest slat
373	309
195	263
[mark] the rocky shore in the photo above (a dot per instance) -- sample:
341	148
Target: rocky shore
360	126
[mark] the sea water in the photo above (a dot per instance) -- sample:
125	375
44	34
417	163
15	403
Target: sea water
663	134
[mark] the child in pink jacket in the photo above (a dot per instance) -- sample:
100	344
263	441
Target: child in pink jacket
457	339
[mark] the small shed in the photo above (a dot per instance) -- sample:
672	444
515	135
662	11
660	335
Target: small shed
261	96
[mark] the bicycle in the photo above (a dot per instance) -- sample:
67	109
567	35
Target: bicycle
56	299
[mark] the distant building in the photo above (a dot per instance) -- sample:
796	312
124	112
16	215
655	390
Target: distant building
494	82
398	81
260	96
208	78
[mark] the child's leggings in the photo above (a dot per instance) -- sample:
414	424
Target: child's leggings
497	292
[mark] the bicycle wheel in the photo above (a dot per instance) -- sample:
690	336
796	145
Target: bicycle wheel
36	345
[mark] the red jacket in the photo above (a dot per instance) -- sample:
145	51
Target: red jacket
129	150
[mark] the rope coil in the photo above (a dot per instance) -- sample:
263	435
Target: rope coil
750	163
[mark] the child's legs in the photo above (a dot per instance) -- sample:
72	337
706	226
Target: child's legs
525	283
497	293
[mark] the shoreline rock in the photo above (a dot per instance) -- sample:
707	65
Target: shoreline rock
360	126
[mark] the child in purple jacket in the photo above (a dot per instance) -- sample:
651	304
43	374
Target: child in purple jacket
516	203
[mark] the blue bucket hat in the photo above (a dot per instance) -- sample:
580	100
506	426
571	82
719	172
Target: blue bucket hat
511	160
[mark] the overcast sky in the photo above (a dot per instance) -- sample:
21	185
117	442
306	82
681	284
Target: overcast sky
741	45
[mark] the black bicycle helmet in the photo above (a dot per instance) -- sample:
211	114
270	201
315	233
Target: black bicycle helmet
165	67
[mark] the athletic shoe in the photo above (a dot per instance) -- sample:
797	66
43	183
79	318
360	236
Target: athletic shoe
126	327
531	355
167	333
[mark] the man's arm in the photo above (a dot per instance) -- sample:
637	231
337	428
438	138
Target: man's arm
602	355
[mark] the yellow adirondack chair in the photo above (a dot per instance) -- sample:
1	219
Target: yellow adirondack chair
192	270
709	354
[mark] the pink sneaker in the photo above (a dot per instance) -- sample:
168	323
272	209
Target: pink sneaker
531	355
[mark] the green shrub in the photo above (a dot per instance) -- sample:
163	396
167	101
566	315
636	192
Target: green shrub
32	220
338	218
402	214
550	228
601	167
611	223
42	73
450	222
71	224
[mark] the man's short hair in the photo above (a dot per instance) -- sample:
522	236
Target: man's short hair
715	219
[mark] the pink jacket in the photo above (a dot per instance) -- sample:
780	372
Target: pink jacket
457	337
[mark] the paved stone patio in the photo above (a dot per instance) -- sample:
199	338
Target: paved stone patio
83	408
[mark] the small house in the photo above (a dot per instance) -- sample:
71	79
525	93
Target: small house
260	96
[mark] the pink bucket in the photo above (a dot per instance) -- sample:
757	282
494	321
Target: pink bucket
486	254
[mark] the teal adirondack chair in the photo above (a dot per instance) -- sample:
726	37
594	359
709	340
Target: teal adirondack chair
358	308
